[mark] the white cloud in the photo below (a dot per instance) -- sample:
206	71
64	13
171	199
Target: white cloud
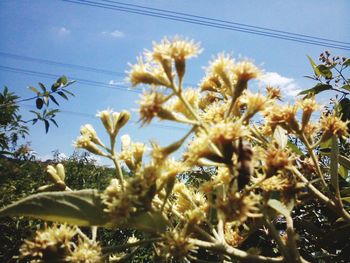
115	82
113	34
61	31
288	86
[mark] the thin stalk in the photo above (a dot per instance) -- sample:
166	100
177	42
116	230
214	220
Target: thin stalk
113	157
314	159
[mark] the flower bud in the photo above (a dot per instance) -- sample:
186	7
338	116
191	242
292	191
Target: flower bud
123	118
60	171
54	177
105	117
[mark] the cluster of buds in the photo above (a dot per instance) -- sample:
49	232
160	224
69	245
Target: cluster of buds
56	176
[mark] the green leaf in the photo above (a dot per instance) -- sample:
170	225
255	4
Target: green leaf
346	62
39	103
334	163
325	71
294	148
317	89
346	199
62	80
344	161
34	90
280	136
54	100
279	207
153	222
68	92
55	86
47	126
42	86
62	95
347	87
82	208
343	172
314	66
54	122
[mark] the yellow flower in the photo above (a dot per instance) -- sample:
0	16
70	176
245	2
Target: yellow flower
222	66
277	159
86	252
215	112
245	71
192	97
227	132
144	73
197	149
49	244
308	106
151	105
254	103
282	115
333	125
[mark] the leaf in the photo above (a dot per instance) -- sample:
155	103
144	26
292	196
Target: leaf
47	126
62	95
54	122
55	86
153	222
62	80
280	136
52	112
279	207
317	89
343	172
42	86
294	148
346	199
39	103
346	62
54	100
325	71
82	208
334	163
344	161
314	66
347	87
68	92
34	90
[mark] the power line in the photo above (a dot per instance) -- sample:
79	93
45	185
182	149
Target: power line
207	23
79	80
55	63
227	22
91	116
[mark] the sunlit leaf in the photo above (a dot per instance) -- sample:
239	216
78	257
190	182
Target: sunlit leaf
280	136
279	207
314	66
82	208
152	222
317	89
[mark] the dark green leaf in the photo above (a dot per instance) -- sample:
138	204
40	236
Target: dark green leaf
39	103
317	89
54	122
54	100
153	222
62	80
52	112
47	126
325	71
62	95
42	86
82	208
68	92
55	86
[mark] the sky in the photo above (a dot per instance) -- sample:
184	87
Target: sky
89	36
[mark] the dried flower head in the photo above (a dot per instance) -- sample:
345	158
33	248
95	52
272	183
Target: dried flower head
176	246
308	106
333	125
86	252
277	159
227	132
254	103
245	71
282	115
238	207
49	245
273	92
151	105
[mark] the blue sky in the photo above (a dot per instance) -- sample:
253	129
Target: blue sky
106	39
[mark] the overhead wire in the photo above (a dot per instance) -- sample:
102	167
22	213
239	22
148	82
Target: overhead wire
206	23
226	21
